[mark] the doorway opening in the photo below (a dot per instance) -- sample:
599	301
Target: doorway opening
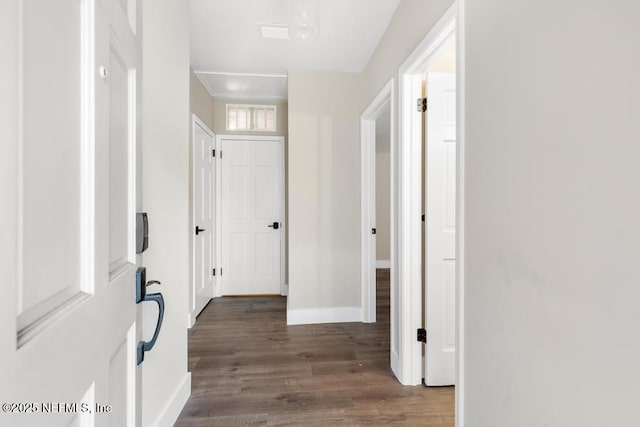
430	182
377	132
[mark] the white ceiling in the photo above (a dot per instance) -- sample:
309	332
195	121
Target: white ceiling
226	41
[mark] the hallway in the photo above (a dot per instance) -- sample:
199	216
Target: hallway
249	368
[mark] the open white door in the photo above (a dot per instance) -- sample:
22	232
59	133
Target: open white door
68	330
440	240
252	215
203	216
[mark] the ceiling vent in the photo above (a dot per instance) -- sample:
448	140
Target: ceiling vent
274	31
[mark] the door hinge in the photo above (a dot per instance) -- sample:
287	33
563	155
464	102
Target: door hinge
373	231
422	335
422	105
220	153
213	152
214	271
221	272
423	217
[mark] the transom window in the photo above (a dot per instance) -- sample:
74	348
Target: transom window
246	117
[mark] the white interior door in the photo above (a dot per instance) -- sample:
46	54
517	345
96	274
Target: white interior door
441	230
68	322
252	216
204	217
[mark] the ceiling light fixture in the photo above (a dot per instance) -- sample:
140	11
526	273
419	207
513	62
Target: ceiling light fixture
303	19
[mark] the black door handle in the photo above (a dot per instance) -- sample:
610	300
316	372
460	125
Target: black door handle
275	225
199	230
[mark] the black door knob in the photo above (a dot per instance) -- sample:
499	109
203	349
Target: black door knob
275	225
199	230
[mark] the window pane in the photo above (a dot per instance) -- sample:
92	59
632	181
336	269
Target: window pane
260	119
242	118
231	119
271	120
251	117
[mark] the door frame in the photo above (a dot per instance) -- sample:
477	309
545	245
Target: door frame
387	96
219	225
410	185
196	121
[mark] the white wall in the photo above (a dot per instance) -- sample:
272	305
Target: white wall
324	196
200	102
166	199
553	207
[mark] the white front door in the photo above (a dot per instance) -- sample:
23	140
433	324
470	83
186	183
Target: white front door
203	216
441	230
252	215
68	330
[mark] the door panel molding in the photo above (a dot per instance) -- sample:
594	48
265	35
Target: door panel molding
43	184
56	203
203	243
220	140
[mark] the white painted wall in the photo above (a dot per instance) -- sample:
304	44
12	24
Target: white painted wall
201	103
166	382
553	207
324	196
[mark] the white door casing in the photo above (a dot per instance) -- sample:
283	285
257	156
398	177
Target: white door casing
68	328
440	255
203	217
368	220
408	163
252	203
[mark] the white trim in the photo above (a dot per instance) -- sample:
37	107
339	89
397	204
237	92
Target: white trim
460	211
284	287
323	315
368	197
383	263
410	187
191	312
191	318
212	93
217	281
172	409
216	73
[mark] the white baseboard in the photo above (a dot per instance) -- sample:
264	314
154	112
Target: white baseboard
171	411
284	289
191	319
383	263
324	315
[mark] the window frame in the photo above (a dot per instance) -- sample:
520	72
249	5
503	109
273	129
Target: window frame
251	111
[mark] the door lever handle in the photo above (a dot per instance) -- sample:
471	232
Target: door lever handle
275	225
199	230
144	346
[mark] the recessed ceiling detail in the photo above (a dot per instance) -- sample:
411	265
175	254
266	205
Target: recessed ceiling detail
226	36
244	86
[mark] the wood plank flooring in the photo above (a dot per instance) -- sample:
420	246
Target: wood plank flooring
249	368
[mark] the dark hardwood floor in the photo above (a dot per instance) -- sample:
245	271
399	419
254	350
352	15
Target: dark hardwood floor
249	368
